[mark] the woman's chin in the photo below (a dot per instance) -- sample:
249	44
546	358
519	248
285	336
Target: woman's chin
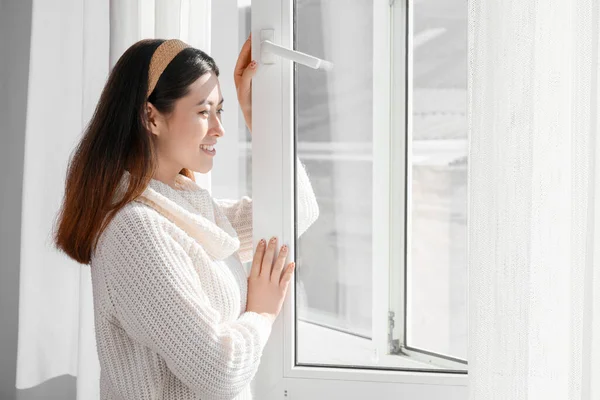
204	169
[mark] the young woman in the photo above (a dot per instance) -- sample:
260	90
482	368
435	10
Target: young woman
176	314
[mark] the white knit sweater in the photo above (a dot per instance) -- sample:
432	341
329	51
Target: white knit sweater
170	295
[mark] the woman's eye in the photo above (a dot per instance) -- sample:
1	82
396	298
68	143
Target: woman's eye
206	113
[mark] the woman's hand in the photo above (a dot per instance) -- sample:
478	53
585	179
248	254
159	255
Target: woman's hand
267	285
243	74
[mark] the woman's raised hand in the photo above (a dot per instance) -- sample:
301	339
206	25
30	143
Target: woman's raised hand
268	281
242	76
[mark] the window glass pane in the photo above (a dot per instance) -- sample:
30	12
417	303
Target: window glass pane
333	127
437	271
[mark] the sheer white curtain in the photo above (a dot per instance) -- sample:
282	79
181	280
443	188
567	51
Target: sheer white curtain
74	43
534	222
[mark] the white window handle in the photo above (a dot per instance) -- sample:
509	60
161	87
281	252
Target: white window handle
268	51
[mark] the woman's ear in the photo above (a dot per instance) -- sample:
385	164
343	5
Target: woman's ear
154	119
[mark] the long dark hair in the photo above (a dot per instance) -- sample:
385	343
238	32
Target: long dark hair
117	139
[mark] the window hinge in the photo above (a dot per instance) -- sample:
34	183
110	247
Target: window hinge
394	344
392	3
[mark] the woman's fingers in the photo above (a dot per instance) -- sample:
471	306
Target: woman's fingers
245	82
286	278
258	258
279	264
243	60
267	262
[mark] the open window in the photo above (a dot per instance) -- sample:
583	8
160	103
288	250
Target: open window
379	304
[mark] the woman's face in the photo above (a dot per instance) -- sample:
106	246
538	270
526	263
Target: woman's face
186	138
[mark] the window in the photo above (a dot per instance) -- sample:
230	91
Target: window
380	291
342	138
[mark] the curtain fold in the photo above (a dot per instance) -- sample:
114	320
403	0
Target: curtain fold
74	45
534	232
68	66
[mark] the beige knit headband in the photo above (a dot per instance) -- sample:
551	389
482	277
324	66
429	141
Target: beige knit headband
162	56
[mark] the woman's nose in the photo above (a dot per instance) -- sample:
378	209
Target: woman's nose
217	128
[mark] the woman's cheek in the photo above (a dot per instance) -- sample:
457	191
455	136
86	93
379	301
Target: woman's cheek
200	131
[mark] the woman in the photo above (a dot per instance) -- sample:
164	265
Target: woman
176	314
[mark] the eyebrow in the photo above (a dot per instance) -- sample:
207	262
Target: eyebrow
210	103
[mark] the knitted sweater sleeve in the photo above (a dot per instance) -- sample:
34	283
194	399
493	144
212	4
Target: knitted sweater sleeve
159	300
239	213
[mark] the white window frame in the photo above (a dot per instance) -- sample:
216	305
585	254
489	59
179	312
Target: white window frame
273	176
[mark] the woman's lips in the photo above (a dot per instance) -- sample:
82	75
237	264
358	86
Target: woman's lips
207	150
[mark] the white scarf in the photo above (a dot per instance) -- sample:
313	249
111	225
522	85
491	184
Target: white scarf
193	210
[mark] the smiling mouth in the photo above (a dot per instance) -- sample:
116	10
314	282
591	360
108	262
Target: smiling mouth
208	149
